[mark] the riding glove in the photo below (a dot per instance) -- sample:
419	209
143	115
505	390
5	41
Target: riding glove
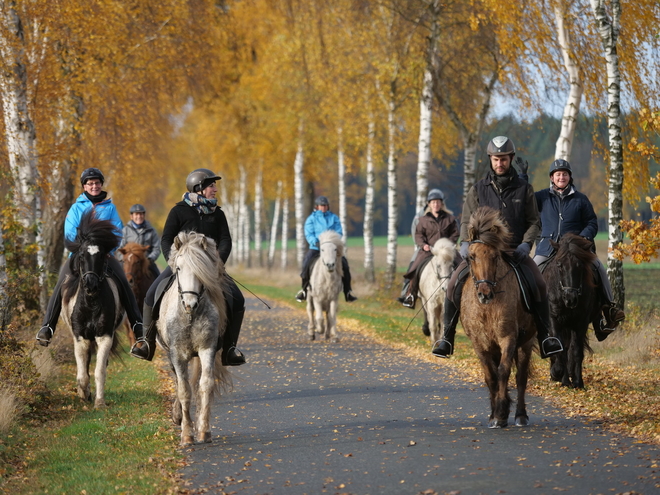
522	165
464	249
523	249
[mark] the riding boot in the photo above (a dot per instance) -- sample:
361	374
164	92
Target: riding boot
53	309
610	320
231	355
547	345
346	281
145	341
445	347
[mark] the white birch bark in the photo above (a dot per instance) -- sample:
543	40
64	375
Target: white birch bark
285	232
368	227
392	204
273	228
424	146
298	178
245	219
258	212
20	134
341	172
609	33
5	312
564	143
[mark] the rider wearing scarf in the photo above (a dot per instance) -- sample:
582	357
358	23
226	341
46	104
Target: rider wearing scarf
93	197
198	211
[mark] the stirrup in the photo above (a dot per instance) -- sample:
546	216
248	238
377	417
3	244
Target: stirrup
237	357
440	349
551	341
301	296
409	301
43	340
350	297
143	352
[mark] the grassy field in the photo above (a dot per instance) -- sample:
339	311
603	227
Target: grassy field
131	447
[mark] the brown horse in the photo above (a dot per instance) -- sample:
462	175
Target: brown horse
494	318
136	268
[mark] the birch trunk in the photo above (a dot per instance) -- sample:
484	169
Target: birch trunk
245	219
5	311
392	206
368	228
424	148
564	144
299	200
285	232
609	33
258	207
20	134
273	227
341	172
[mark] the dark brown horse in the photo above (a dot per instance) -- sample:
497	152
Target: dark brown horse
573	300
136	267
494	318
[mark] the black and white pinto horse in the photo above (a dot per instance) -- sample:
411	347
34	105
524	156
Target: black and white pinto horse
193	317
90	302
326	284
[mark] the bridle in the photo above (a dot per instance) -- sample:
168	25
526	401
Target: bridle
182	292
492	283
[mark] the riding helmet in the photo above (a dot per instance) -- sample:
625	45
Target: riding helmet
91	173
560	164
200	179
137	208
322	201
435	194
501	145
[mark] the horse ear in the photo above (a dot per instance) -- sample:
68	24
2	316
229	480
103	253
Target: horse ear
555	245
205	244
177	242
471	233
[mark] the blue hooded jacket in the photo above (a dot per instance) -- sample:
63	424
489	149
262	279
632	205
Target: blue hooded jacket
105	210
317	223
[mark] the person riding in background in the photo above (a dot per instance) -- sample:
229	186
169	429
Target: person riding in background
199	212
514	198
140	231
319	221
563	209
438	222
92	197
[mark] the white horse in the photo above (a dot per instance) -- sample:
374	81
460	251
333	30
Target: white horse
326	284
193	315
433	284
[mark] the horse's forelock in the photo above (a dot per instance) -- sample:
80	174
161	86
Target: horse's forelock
92	231
571	244
335	238
486	225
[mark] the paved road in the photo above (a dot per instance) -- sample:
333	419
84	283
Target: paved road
361	418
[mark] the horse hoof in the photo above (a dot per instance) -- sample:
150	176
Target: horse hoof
187	441
100	404
497	423
522	421
334	340
205	438
312	338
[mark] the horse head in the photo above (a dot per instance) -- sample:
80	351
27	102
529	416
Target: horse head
91	264
444	252
135	262
331	249
573	258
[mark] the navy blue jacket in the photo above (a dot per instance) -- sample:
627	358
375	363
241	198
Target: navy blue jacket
572	213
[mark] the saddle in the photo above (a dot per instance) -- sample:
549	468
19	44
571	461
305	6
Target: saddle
526	282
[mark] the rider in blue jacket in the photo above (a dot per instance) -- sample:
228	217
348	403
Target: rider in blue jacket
319	221
563	209
93	197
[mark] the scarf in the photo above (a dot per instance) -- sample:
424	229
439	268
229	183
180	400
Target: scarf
204	205
503	181
137	225
96	199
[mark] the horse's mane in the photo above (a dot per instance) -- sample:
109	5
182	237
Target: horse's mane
201	254
335	238
445	248
91	230
578	247
486	225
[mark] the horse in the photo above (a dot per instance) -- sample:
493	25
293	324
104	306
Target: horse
326	284
139	276
90	302
494	318
433	284
573	300
193	318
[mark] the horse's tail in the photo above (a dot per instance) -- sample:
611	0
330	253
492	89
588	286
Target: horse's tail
222	379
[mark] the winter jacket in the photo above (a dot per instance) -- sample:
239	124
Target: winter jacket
317	223
104	210
516	204
145	235
572	213
185	218
430	229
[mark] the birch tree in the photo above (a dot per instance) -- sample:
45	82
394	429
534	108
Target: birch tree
285	232
368	230
258	211
273	228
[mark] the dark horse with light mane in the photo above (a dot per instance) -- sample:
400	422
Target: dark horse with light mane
493	316
90	302
139	276
573	300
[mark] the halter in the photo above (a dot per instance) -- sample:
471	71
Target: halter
99	278
486	281
568	290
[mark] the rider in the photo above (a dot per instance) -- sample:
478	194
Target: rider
513	197
140	231
198	212
93	197
438	222
319	221
564	209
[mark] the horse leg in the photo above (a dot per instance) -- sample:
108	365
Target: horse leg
204	395
489	368
104	344
83	350
319	315
576	357
183	394
523	357
311	327
502	399
332	321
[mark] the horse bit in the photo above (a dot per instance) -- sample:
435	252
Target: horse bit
486	281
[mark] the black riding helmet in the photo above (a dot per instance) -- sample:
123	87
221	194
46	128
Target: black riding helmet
560	164
322	201
91	173
200	179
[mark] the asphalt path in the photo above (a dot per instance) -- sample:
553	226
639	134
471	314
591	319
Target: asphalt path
359	417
